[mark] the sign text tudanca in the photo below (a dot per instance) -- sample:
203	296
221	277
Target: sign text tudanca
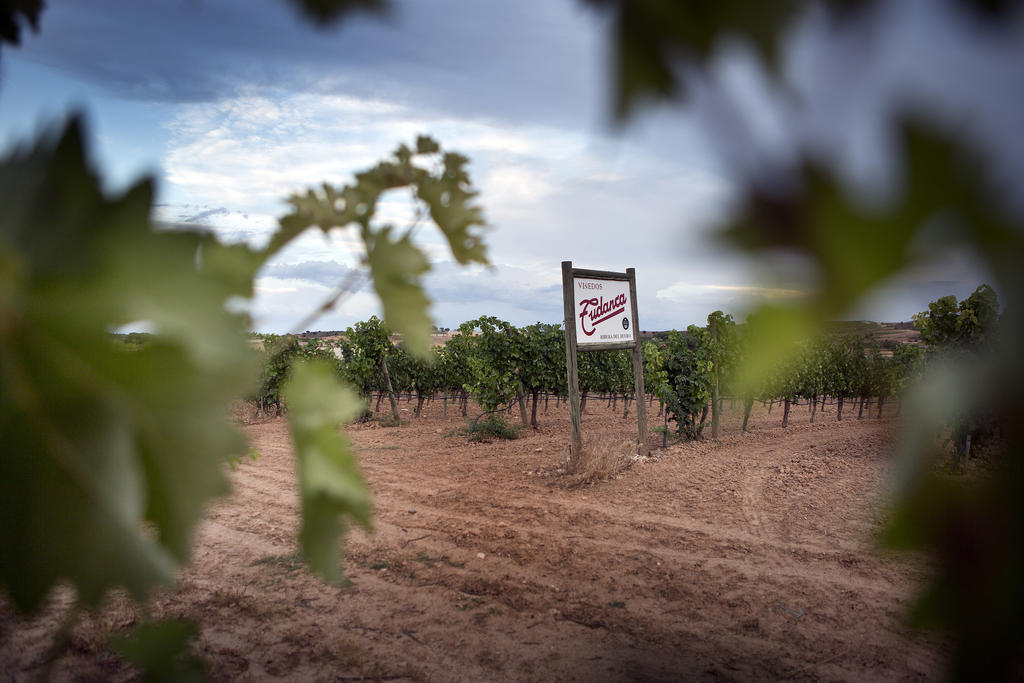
598	310
602	311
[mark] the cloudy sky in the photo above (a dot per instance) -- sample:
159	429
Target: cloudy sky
232	105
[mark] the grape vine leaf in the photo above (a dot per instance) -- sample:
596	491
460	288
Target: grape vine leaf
655	41
326	12
396	263
946	199
100	438
396	267
653	38
329	479
10	24
856	247
448	197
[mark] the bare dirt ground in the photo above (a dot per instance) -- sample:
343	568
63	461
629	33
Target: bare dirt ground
750	557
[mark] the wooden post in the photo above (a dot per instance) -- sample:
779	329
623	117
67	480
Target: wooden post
522	405
638	364
572	372
391	391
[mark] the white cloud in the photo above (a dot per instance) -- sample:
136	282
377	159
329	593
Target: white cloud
263	290
550	194
682	291
512	189
280	305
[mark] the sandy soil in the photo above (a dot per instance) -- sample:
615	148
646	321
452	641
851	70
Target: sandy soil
749	557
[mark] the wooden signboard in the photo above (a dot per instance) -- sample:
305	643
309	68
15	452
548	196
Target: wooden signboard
600	315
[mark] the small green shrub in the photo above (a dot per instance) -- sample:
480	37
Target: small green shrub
289	561
385	420
491	427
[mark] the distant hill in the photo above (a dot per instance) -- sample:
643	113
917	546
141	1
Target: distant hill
888	335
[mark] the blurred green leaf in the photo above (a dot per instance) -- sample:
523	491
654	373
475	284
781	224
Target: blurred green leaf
427	145
10	23
448	196
655	39
773	335
656	43
330	483
326	12
973	528
396	263
946	198
99	437
397	267
160	650
857	247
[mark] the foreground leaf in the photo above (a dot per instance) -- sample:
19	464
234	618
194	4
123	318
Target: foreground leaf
10	21
973	529
448	196
328	12
397	268
331	486
396	264
854	247
99	437
652	38
655	44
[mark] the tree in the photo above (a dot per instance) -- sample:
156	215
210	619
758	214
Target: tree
968	326
655	375
959	334
908	367
722	329
374	343
424	377
882	373
739	384
279	355
814	369
845	370
496	362
690	370
978	319
784	382
544	371
455	371
357	370
938	325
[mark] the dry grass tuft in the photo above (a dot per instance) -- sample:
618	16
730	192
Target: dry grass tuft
604	454
249	413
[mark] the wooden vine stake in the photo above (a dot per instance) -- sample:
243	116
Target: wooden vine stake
601	315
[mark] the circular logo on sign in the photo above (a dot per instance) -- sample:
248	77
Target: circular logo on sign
625	323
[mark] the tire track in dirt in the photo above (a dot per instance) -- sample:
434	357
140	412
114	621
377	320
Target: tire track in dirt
801	552
722	555
699	544
465	521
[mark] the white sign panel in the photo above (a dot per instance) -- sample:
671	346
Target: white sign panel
603	311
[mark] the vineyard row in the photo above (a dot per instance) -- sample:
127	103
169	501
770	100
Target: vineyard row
689	373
